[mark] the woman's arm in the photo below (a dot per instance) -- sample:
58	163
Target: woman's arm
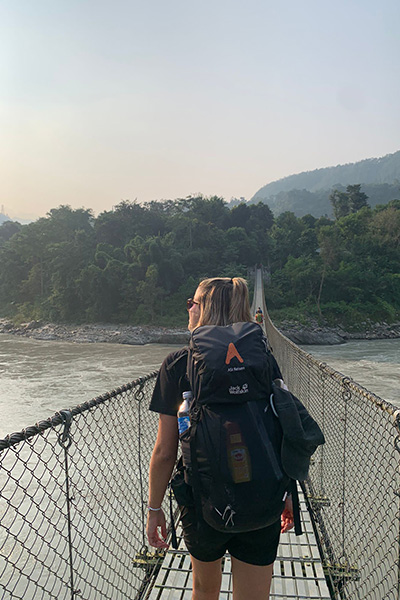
162	463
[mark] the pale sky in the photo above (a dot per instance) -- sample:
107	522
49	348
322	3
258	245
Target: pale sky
102	101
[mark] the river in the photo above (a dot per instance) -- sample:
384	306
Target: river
39	378
375	364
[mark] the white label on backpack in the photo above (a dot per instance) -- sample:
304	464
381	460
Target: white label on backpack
231	369
236	389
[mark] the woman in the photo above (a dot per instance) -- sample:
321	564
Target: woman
217	301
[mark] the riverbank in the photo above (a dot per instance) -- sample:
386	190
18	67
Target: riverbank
313	333
97	333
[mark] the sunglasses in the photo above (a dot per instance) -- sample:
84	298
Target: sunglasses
190	302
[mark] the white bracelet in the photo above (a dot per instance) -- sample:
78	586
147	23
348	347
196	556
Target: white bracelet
153	509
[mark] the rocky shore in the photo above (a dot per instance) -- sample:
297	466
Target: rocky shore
312	333
114	334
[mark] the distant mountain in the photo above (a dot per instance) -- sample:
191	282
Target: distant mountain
4	218
309	192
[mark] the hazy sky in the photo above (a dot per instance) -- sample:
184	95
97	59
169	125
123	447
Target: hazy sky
108	100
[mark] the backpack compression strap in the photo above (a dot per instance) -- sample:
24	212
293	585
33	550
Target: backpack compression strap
174	540
296	507
195	415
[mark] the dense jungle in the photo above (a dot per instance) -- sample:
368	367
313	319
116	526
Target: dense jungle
137	263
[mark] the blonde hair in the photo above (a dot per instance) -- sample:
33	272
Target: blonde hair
223	301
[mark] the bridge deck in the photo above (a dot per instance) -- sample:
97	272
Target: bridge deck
298	573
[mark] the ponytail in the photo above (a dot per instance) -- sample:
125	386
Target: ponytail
223	300
240	304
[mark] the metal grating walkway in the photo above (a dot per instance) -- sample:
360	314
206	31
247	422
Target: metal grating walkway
298	573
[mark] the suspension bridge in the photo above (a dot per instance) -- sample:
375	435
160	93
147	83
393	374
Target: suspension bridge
73	494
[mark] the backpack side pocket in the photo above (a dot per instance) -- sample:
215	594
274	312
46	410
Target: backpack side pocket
182	491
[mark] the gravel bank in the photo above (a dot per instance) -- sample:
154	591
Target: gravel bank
114	334
313	333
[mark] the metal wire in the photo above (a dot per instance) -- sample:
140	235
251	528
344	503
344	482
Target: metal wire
72	490
354	479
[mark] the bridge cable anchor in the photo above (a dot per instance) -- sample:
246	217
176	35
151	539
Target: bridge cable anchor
318	502
148	560
341	572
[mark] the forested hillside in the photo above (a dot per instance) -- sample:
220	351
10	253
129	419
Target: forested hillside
303	202
138	263
309	192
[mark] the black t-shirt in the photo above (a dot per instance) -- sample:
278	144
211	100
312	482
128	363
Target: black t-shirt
172	382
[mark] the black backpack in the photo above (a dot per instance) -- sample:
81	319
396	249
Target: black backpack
232	450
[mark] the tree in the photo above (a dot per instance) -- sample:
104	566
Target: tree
348	202
357	199
261	219
385	226
239	247
240	214
308	242
285	235
211	211
8	229
340	203
66	221
151	296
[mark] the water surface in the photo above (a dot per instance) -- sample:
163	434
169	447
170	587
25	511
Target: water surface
375	364
38	378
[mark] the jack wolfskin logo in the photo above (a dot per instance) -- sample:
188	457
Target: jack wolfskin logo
236	389
232	353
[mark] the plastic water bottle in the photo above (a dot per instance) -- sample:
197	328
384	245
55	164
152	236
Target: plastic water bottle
183	413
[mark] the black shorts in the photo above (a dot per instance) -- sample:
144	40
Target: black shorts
207	544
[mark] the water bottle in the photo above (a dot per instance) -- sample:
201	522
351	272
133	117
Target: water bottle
183	413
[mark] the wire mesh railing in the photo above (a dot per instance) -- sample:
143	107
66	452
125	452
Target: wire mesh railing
73	491
72	501
354	485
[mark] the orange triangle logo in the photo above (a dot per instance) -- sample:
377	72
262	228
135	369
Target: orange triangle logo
232	352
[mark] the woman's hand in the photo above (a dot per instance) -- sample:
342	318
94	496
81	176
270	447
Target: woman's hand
156	520
287	520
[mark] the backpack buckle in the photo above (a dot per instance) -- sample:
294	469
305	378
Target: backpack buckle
195	413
